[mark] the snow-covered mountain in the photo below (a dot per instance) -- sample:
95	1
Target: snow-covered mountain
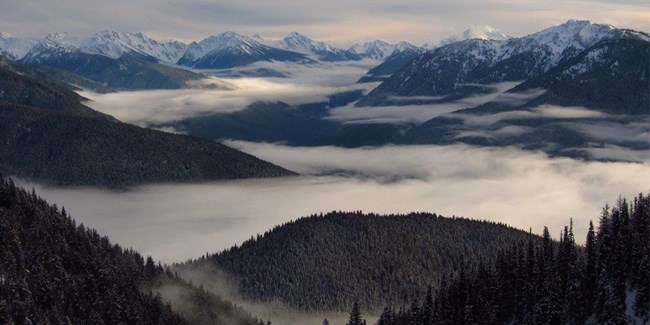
300	43
404	52
131	70
106	43
482	32
16	46
445	70
405	46
53	46
115	44
229	49
377	49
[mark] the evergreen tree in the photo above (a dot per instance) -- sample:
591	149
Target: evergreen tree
387	317
355	316
428	316
554	282
640	263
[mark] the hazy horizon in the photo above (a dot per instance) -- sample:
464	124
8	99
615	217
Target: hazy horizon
341	22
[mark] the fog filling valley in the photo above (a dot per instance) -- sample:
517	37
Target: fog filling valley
524	189
176	222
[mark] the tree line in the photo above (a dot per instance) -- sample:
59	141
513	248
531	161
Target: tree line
606	281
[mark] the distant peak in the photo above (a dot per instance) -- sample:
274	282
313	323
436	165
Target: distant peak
295	34
56	36
578	22
482	32
379	42
230	34
106	33
481	28
404	45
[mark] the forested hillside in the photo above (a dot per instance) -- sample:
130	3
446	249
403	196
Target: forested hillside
18	89
326	262
548	282
53	271
48	136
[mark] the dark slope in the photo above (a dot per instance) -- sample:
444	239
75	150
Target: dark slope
48	136
228	57
53	271
303	125
52	75
22	90
327	262
612	76
129	71
68	149
391	65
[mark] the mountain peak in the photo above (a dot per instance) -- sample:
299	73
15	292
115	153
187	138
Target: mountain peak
16	46
376	49
404	46
55	36
114	44
230	34
295	34
482	32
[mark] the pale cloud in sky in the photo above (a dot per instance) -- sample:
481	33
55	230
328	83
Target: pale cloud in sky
340	21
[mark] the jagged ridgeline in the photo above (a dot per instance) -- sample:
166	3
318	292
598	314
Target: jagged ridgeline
53	271
326	262
605	282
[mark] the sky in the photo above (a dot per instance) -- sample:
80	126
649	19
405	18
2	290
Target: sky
341	22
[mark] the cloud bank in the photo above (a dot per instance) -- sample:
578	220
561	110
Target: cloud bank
175	222
306	84
422	113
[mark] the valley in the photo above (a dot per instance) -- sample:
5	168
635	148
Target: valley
252	179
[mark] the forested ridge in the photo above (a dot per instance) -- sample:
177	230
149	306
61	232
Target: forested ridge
54	271
19	89
549	282
326	262
46	135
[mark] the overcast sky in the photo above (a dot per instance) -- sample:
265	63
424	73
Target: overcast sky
340	21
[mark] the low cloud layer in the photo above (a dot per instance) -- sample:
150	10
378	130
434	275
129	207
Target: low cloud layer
422	113
544	111
306	84
524	189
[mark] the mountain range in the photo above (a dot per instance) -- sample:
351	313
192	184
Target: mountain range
570	90
569	84
133	61
405	52
455	69
220	51
114	44
321	50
